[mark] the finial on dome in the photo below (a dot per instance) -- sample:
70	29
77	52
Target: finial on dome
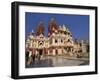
32	31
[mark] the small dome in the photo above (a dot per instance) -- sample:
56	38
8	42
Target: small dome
60	28
31	36
64	27
27	40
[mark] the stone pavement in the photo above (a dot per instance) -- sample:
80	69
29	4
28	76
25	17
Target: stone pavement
56	61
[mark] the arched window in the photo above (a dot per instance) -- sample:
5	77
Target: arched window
61	40
68	40
56	41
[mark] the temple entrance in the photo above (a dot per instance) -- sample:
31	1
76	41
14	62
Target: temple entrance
40	51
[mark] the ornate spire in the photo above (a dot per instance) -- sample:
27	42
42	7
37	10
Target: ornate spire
40	28
52	26
64	27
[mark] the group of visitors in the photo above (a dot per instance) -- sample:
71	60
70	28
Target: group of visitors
32	57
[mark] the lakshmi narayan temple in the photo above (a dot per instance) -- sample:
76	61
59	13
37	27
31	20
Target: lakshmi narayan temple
58	42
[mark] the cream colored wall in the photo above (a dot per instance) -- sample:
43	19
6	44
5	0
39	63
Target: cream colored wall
59	51
54	52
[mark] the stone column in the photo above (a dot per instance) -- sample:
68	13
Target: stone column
54	52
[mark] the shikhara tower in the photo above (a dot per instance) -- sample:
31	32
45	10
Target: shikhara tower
58	42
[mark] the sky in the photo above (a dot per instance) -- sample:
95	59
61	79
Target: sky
77	24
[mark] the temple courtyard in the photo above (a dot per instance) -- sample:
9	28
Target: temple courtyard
57	61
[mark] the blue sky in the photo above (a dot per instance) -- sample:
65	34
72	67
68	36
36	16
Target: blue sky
77	24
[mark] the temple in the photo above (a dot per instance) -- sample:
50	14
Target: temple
58	42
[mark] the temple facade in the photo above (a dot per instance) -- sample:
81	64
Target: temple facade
58	42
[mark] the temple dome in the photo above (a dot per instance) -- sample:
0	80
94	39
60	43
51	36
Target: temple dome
60	28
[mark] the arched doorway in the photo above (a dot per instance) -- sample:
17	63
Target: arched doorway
40	51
